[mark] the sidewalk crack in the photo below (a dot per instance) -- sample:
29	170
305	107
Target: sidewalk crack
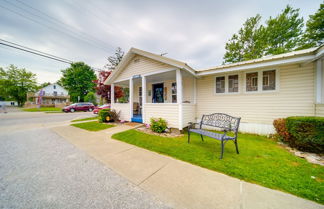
241	195
124	150
152	174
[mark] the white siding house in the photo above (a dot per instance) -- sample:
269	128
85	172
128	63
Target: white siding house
258	91
50	95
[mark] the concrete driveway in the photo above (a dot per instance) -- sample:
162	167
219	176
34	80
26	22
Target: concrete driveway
39	169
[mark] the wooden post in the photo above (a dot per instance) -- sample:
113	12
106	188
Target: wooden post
179	97
319	81
131	92
143	97
112	94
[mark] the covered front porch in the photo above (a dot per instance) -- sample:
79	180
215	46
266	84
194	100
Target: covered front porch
169	94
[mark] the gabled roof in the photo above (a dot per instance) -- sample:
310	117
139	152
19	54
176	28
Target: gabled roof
133	51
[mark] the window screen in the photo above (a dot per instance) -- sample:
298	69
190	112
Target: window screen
251	81
233	83
220	84
269	80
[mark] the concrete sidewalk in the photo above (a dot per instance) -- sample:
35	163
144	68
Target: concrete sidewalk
180	184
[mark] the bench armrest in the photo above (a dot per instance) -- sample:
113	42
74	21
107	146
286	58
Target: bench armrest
192	125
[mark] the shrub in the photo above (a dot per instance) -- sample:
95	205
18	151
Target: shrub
103	115
307	133
282	131
107	115
158	125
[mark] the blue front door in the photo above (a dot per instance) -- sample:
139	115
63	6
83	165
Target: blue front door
157	93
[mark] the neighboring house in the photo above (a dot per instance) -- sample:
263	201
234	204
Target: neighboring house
258	91
10	103
50	95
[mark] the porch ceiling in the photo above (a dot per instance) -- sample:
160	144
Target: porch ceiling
171	75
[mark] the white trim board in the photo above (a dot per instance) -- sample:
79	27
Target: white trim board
258	65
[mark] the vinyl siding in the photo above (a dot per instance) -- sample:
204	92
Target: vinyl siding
169	112
124	109
140	65
320	110
189	114
188	89
295	96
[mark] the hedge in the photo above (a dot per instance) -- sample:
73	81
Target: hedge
304	133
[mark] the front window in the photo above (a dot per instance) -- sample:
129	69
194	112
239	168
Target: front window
252	81
220	84
269	80
233	83
174	92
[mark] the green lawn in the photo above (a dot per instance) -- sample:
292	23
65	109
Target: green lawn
92	126
261	160
43	109
85	119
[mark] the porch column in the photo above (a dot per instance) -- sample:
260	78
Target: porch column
195	90
131	98
319	81
143	97
112	94
179	97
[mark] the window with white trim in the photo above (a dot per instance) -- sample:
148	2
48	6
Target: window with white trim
220	84
252	81
174	92
233	83
269	80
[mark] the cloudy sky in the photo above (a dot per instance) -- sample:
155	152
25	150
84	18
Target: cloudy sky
81	30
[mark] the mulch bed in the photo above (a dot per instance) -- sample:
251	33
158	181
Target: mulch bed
165	134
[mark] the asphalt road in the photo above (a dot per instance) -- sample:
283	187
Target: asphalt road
39	169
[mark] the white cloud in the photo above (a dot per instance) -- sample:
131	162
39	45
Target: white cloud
191	31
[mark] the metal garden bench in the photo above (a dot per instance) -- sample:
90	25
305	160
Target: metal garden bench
221	121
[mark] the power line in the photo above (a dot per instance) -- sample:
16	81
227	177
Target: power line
50	27
39	53
8	42
57	21
36	53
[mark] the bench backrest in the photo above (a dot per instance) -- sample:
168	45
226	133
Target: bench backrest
221	120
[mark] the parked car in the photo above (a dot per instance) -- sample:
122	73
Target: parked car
86	106
97	109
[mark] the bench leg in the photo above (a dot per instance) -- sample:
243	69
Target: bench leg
188	136
236	146
222	150
202	138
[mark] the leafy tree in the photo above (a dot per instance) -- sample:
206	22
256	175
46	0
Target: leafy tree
15	83
284	32
247	43
314	34
114	60
104	90
59	82
78	80
91	97
279	35
43	85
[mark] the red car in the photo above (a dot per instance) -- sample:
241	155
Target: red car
79	107
105	106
